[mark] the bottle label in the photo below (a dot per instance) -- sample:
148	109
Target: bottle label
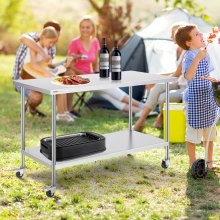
104	61
116	64
104	55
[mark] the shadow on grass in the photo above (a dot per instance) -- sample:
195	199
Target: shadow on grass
109	176
204	196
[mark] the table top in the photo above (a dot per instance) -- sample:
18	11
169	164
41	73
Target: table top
129	78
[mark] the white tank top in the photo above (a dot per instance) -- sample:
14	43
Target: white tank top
39	58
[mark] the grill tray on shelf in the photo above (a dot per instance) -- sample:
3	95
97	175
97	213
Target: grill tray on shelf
73	145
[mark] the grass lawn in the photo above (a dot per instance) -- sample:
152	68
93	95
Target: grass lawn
126	187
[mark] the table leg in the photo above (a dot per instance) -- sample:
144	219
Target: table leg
130	108
51	189
53	140
20	171
166	161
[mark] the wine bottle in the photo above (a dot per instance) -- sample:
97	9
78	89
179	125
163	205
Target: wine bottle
104	60
116	63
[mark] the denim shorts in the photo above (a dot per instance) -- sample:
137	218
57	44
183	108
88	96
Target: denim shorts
26	91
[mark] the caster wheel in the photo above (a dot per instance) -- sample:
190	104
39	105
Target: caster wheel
49	193
199	169
19	175
164	164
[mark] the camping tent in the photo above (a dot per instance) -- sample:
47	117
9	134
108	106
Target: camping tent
152	50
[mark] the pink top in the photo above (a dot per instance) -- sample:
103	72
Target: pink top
76	47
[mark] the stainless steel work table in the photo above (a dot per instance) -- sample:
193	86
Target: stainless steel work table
117	143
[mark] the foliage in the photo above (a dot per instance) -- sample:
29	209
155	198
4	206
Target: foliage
190	5
114	20
125	187
15	17
12	17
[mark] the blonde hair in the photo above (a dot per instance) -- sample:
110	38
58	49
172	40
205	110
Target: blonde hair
49	33
174	29
89	18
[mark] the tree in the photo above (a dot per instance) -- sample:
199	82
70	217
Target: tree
113	21
15	18
190	5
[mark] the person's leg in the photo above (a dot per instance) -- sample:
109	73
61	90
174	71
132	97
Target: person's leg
175	95
118	104
193	137
213	135
135	103
62	112
69	101
61	104
150	105
210	153
121	96
191	149
134	109
140	123
158	123
34	99
115	98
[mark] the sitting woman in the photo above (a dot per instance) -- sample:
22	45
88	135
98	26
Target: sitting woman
88	46
157	94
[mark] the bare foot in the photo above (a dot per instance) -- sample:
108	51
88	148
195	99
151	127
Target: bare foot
158	122
212	166
139	126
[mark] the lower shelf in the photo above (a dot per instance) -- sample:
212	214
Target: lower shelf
117	143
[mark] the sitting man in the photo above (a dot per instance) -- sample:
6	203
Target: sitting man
29	40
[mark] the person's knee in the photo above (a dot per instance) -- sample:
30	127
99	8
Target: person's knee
35	97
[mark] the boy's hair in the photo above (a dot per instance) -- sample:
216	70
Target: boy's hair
182	35
49	33
54	24
89	18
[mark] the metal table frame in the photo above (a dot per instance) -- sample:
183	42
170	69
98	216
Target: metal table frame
131	137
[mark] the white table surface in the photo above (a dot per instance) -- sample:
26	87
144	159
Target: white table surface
129	78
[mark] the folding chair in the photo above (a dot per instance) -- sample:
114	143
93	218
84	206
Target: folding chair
80	101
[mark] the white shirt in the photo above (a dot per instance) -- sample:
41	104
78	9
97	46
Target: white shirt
39	58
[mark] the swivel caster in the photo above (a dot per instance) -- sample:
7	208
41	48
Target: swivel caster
49	193
19	174
199	169
165	164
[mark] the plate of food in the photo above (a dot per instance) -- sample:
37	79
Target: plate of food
71	80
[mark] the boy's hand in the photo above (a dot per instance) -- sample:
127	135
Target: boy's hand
201	55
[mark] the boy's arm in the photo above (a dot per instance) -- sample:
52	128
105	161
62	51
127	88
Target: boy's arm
191	71
29	42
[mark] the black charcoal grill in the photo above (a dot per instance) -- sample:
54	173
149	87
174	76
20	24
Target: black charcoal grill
73	145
